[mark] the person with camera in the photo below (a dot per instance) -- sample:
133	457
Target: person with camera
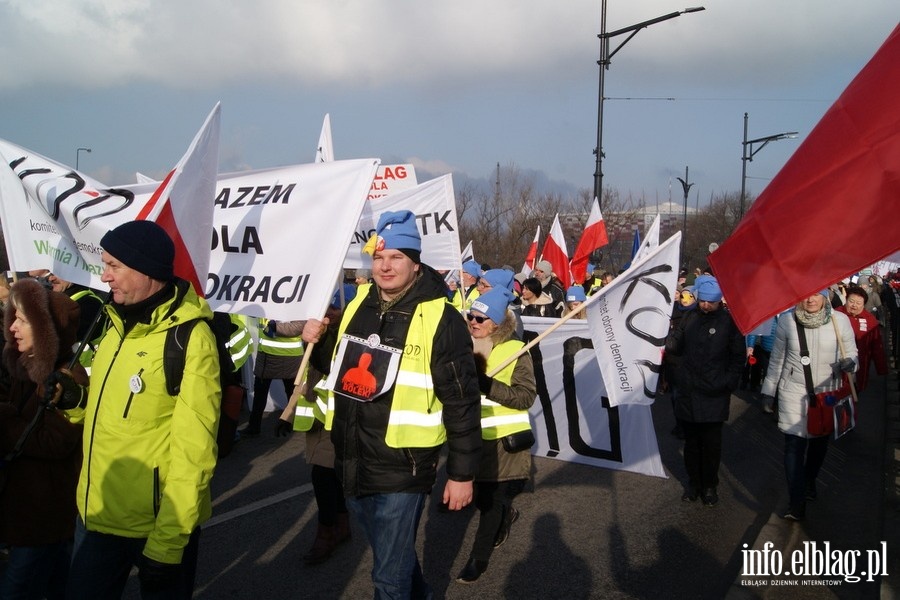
505	427
41	449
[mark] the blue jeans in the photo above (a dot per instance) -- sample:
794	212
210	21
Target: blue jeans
390	522
101	563
34	572
803	457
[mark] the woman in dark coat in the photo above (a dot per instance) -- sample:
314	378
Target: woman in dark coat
712	358
37	501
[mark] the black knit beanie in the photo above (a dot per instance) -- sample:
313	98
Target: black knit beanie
144	246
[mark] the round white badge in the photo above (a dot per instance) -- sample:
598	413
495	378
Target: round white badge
136	384
373	340
712	331
805	360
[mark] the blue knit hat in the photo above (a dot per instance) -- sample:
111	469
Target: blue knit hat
576	294
349	294
396	231
499	278
706	288
493	304
472	268
825	293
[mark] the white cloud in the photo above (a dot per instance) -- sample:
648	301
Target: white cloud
200	43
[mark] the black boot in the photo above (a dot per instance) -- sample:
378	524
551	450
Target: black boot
503	533
472	571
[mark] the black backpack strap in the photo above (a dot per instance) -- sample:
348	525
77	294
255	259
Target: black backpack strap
174	353
805	361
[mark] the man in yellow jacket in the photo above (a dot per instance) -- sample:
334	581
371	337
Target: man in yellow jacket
148	456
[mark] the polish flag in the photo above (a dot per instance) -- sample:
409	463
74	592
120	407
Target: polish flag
593	237
828	213
556	254
528	267
183	203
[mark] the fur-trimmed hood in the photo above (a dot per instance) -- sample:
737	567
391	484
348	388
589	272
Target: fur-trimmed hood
54	322
505	331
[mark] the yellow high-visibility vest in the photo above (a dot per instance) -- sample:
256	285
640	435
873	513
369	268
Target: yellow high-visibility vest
499	421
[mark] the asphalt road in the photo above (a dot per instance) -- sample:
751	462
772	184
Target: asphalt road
583	532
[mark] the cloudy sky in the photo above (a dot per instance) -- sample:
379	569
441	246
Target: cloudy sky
451	86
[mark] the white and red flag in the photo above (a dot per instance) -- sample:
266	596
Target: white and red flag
531	256
182	204
831	210
556	254
593	237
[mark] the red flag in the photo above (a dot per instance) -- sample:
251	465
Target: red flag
593	237
556	254
528	267
831	210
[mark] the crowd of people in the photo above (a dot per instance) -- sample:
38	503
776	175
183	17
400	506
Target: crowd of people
407	362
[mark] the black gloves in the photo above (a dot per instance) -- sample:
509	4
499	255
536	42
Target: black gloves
484	383
270	327
283	428
156	576
68	394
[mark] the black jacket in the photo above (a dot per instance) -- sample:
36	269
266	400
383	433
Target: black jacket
364	462
712	352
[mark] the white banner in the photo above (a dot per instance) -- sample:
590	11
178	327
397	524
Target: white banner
572	418
629	322
434	205
54	217
280	236
391	179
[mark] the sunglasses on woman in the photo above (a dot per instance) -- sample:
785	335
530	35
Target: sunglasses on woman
476	318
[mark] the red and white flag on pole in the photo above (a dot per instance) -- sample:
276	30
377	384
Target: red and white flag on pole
183	203
831	210
593	237
556	254
531	257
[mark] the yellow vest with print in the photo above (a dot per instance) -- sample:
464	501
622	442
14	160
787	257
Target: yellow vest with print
416	419
498	421
278	345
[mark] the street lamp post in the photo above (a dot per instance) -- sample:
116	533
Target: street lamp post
604	62
686	187
78	155
747	154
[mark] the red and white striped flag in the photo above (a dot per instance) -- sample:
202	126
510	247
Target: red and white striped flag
593	237
528	267
556	254
183	203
